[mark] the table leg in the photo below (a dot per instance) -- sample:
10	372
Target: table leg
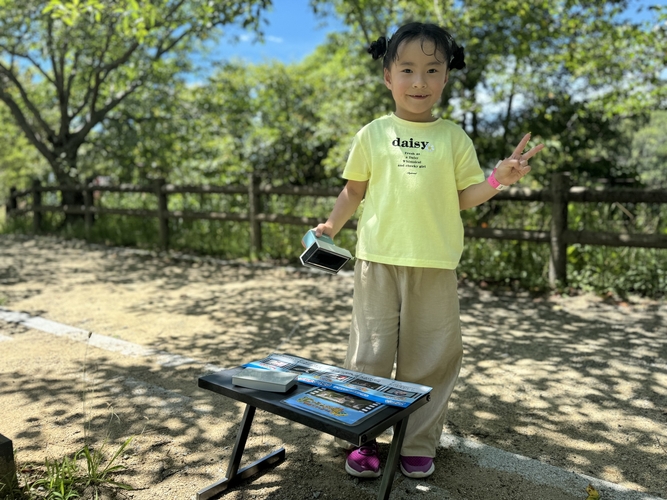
392	459
234	475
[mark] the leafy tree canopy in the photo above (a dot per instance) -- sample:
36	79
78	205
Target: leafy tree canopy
287	123
66	64
96	87
570	71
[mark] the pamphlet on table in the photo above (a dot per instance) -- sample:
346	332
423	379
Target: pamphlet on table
338	406
377	389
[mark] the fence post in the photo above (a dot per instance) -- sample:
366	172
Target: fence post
162	212
7	465
255	207
12	203
36	206
560	187
88	214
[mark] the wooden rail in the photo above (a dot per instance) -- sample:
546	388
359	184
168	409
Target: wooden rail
558	196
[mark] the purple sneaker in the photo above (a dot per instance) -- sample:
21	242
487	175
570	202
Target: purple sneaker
364	461
417	467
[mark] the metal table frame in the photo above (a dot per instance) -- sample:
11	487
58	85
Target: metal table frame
221	383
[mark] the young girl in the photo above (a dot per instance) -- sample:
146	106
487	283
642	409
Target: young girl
416	172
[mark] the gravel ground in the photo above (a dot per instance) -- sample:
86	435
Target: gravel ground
578	383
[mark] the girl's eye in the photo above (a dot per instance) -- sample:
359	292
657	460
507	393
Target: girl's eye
407	71
432	70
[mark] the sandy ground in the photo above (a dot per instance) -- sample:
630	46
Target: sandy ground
576	382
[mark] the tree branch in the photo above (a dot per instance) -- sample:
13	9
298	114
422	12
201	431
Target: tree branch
63	93
24	96
52	51
22	122
94	70
108	68
508	113
72	75
97	116
29	58
161	51
356	12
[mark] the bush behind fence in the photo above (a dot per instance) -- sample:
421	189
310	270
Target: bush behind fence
599	240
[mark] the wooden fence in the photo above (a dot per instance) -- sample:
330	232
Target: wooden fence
559	195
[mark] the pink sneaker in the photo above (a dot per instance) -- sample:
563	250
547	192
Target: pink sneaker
417	467
364	461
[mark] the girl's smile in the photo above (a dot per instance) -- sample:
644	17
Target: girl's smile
416	79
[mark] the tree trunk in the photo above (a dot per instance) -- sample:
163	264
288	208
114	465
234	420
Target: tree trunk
66	174
72	199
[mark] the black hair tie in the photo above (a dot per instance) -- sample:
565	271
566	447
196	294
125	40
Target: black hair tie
458	58
378	48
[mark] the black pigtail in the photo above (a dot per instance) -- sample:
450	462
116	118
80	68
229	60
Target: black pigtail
378	48
458	57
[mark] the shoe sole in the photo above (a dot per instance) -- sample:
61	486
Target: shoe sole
367	474
417	474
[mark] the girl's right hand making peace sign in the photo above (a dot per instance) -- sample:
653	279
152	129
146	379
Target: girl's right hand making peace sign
512	169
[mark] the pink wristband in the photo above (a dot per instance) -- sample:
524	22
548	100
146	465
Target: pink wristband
491	179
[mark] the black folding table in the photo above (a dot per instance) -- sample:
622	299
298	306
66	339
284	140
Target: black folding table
221	382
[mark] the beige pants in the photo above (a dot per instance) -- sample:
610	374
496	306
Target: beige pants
409	315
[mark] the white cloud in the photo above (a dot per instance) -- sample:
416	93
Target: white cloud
252	38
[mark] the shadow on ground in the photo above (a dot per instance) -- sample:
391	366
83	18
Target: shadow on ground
577	383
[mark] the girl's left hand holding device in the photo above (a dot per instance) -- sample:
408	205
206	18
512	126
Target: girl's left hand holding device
512	169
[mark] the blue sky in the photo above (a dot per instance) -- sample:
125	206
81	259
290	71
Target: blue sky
294	31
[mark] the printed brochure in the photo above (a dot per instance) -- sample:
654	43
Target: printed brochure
378	389
344	408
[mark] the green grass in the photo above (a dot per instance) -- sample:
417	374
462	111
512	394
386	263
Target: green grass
87	470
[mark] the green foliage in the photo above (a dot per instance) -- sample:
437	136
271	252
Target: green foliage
565	70
599	269
19	162
159	131
618	270
350	93
273	131
98	469
506	264
109	229
649	151
59	480
289	123
20	225
66	64
67	478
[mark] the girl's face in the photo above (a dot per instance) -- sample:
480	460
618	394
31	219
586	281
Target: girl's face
416	80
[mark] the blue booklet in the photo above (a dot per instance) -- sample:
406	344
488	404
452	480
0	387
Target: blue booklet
338	406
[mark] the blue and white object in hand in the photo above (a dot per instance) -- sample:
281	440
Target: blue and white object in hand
321	253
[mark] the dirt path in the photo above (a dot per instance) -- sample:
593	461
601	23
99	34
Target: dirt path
576	382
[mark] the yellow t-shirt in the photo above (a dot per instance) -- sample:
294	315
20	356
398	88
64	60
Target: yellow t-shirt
414	170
